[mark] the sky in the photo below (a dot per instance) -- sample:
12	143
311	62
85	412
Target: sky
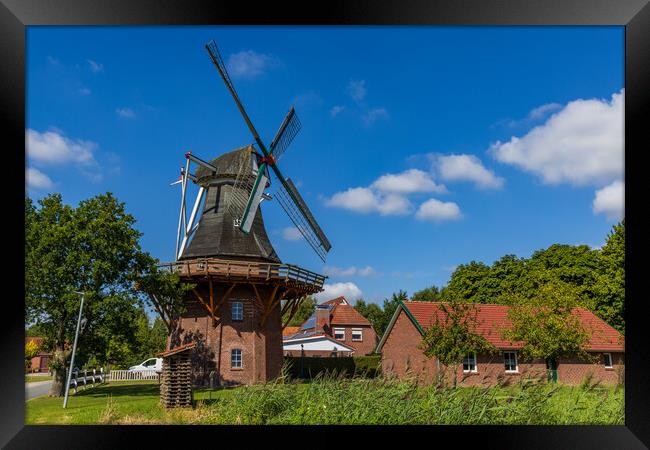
421	148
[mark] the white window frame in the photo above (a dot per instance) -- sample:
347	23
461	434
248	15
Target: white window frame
241	309
340	330
241	358
475	370
357	330
516	370
611	361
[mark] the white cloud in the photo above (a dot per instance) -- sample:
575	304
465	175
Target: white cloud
407	182
349	290
466	168
365	200
126	113
336	110
37	179
541	111
580	144
95	67
357	90
373	115
52	147
291	234
84	91
249	64
52	60
438	211
349	272
610	200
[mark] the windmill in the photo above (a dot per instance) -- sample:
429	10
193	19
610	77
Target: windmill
251	179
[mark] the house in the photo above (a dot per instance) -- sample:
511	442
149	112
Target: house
40	362
401	355
335	329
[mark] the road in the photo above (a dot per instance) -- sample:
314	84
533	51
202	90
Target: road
36	389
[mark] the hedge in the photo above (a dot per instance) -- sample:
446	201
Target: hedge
361	366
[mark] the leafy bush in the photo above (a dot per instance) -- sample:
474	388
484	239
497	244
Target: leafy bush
346	367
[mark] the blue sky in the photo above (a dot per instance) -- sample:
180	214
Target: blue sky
421	148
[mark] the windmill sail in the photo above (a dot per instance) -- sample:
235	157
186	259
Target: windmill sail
287	131
297	210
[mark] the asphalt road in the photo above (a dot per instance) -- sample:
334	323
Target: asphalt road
36	389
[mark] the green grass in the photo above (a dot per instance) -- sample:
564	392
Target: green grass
35	378
330	400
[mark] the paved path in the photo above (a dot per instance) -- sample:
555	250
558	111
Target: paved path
37	388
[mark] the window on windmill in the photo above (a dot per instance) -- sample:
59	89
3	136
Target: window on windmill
235	358
237	310
357	334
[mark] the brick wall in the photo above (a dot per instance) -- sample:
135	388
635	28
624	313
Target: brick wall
261	348
401	358
364	347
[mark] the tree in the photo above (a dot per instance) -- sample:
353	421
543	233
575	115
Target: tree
430	294
610	283
545	325
466	283
304	312
372	312
92	248
31	350
453	335
390	305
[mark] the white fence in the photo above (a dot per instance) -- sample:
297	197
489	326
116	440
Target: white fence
126	375
87	378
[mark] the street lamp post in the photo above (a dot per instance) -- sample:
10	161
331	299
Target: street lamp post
74	348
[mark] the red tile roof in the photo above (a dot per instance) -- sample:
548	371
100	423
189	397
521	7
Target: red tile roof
288	331
492	318
347	315
335	301
180	348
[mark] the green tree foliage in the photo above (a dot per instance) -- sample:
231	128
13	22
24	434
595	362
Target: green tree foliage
371	311
92	248
430	294
609	288
453	335
467	283
545	325
304	312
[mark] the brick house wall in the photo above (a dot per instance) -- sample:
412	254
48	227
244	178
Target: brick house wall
364	347
401	358
261	348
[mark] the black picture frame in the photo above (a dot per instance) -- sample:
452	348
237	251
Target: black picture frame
634	15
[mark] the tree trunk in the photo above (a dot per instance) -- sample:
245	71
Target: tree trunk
59	376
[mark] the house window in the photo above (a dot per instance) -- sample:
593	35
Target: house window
357	334
469	363
339	333
237	311
510	361
607	360
235	358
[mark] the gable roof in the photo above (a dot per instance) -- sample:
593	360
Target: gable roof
312	338
341	313
492	318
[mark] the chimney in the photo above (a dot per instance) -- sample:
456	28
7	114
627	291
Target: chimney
322	319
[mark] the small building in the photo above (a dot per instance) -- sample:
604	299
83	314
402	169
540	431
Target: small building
335	329
40	362
401	355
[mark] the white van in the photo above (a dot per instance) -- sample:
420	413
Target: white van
149	364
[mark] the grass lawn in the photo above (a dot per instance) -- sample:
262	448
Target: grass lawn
35	378
334	401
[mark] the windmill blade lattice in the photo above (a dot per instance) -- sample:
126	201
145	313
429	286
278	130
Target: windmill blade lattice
286	133
243	185
303	220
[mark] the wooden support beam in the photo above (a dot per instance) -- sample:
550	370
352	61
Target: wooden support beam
203	302
294	310
274	299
